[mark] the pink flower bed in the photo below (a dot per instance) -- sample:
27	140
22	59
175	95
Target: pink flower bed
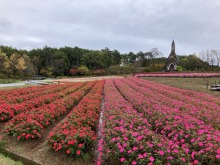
180	75
199	140
201	106
127	137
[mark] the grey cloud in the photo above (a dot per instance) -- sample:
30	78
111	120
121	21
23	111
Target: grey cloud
125	25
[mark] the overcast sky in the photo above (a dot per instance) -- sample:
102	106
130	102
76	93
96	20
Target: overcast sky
124	25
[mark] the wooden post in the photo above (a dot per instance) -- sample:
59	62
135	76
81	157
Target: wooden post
207	84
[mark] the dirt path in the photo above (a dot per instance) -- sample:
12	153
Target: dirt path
86	79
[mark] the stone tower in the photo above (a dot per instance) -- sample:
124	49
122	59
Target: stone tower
172	60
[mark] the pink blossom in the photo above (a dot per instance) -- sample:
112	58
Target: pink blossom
119	146
135	148
134	134
151	158
122	150
139	138
161	152
122	159
193	154
196	162
134	163
145	154
183	159
125	139
160	145
151	145
140	156
200	144
218	156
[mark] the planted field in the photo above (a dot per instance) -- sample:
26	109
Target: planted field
195	84
142	122
159	125
179	75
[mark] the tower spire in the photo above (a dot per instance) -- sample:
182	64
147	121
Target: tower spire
173	47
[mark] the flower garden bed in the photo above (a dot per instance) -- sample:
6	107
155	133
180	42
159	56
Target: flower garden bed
179	74
142	123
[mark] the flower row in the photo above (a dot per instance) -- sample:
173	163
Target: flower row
76	134
126	136
29	124
180	75
8	111
19	97
200	142
195	106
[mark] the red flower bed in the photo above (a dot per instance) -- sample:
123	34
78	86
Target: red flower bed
76	133
8	111
43	116
19	95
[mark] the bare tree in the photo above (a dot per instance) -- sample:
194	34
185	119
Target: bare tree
210	56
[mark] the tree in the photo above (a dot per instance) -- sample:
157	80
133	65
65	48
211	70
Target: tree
211	56
8	50
47	71
60	63
29	69
94	60
4	65
83	70
193	63
74	55
132	57
141	59
184	62
116	57
155	53
16	64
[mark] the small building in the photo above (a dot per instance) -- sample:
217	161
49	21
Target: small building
172	61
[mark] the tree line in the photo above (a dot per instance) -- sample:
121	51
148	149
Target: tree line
71	61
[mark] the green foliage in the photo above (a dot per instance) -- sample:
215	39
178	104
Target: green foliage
179	68
193	63
83	70
48	71
66	61
7	80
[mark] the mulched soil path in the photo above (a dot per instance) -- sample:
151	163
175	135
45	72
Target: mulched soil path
38	151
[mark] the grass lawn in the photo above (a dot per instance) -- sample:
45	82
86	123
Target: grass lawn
14	87
8	80
196	84
8	161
